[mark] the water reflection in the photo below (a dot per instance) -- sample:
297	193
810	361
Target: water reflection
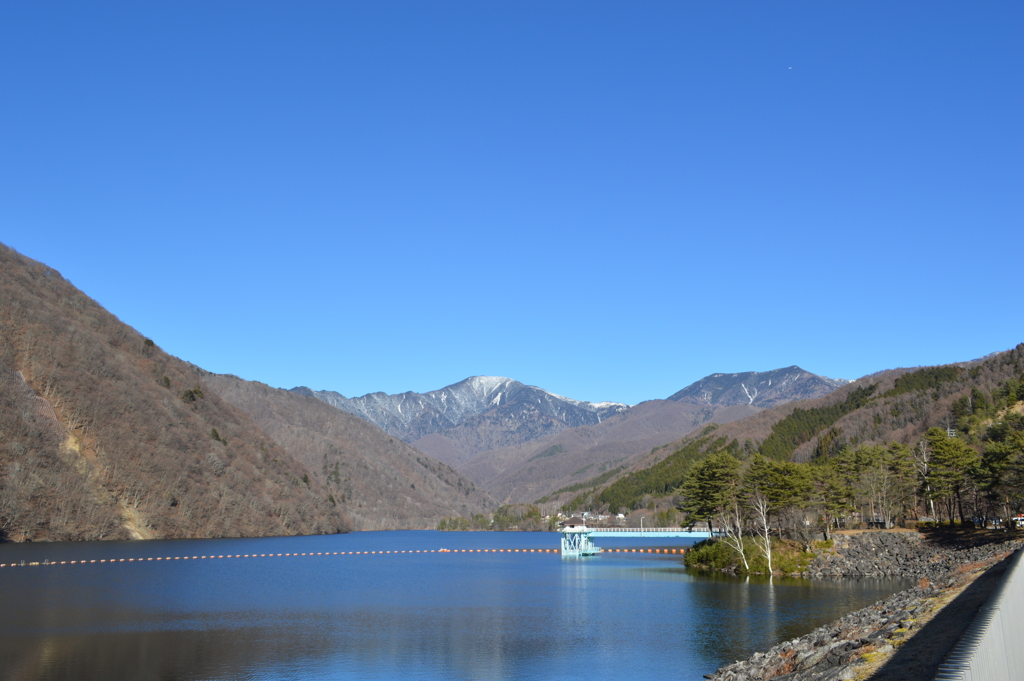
757	613
422	616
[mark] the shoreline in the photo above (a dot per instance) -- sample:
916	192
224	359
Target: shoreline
881	642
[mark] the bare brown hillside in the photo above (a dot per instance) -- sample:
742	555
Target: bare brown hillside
529	472
104	435
381	482
520	425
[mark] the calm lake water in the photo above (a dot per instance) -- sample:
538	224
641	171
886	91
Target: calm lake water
429	616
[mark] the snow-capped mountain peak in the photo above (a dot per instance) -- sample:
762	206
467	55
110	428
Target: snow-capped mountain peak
760	389
410	416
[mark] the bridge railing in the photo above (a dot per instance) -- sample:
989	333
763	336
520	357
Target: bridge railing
640	529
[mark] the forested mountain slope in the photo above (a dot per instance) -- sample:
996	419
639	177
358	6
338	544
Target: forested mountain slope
104	435
381	482
892	406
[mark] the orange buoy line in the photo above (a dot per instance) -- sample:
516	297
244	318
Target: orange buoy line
678	551
270	555
675	551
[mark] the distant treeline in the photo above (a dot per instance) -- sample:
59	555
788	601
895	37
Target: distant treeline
511	517
754	502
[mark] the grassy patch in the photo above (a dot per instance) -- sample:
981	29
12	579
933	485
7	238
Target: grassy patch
712	554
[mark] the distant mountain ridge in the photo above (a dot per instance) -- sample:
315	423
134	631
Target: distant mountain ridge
520	442
515	406
527	472
764	389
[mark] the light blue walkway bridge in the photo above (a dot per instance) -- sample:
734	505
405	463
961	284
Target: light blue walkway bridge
578	539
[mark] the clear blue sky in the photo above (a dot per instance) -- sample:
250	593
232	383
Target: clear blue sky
607	200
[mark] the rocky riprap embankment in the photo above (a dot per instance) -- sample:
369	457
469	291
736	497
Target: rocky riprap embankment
831	652
882	554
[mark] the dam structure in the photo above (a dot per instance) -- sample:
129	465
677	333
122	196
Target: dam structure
578	539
